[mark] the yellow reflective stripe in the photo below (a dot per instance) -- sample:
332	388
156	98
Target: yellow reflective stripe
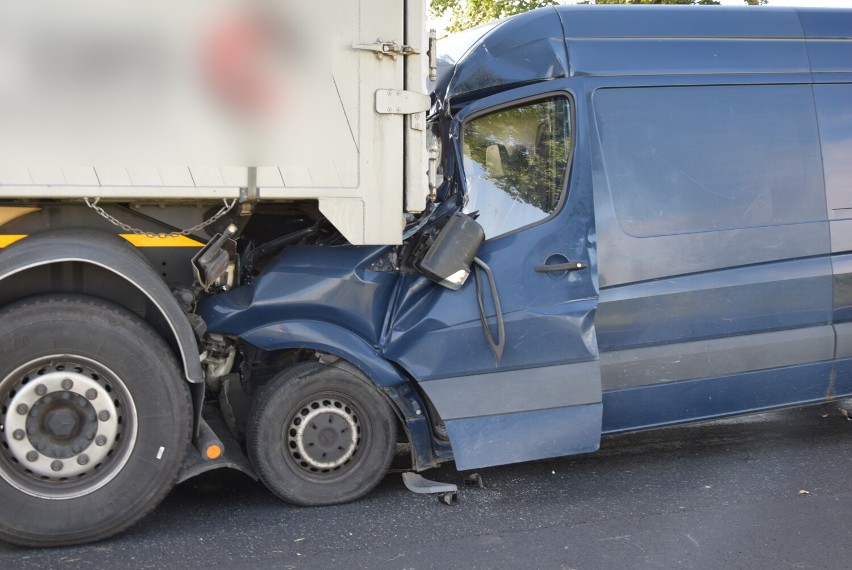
9	239
9	213
165	241
137	240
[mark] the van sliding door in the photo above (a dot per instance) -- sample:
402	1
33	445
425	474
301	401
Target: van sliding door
716	288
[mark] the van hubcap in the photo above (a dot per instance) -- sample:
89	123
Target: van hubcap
324	435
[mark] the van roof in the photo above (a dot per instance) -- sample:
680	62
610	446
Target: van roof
561	41
703	22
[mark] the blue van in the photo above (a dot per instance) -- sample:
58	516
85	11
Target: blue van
663	199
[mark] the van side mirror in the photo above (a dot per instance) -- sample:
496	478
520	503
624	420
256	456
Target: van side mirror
449	259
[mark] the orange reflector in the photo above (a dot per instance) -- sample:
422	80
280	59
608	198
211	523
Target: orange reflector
213	451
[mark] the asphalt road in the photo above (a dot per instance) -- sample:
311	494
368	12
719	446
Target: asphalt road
767	491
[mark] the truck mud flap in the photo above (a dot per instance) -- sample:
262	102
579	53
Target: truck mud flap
231	456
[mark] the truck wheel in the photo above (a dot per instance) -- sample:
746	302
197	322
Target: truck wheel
94	420
319	435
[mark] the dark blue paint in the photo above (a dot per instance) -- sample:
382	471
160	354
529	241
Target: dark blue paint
646	40
666	22
449	342
834	109
655	57
747	156
826	24
712	304
524	49
327	337
842	383
495	440
750	276
340	290
663	404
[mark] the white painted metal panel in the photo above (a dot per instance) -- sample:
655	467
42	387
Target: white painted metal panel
112	175
80	175
47	176
144	176
176	176
326	142
14	174
416	74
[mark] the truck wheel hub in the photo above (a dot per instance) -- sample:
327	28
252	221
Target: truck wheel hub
61	423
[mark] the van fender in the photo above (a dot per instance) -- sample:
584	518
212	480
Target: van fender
335	340
109	252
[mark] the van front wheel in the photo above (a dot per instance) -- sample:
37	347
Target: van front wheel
320	435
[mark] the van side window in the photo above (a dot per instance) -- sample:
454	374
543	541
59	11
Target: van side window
695	159
515	163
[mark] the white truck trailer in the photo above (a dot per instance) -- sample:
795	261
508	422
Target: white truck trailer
133	135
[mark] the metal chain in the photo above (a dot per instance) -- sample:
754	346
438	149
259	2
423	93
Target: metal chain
128	228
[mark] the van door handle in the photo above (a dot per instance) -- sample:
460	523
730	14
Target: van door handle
570	266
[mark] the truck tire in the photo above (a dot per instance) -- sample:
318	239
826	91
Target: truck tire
95	420
320	435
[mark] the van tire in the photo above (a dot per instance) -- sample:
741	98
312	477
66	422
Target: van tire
301	439
96	416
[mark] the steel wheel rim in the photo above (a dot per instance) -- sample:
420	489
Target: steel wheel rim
68	426
318	456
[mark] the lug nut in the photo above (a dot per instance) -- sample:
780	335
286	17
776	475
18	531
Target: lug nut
103	416
100	440
90	435
41	445
83	459
91	393
41	390
56	465
67	384
22	409
32	456
18	434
